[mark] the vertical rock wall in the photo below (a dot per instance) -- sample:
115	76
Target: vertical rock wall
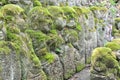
49	40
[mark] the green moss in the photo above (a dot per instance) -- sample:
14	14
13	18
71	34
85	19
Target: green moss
69	12
117	19
70	35
78	27
11	9
56	11
38	35
1	16
116	41
98	8
103	58
4	47
82	10
36	3
55	41
36	60
38	11
49	57
80	67
113	46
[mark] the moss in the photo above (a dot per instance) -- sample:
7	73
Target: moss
117	19
82	10
11	9
113	46
55	41
4	47
56	11
49	57
36	60
39	19
80	67
1	16
69	12
36	3
116	41
70	35
78	27
38	35
98	8
103	56
13	29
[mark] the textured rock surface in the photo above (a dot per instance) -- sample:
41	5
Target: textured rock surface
40	41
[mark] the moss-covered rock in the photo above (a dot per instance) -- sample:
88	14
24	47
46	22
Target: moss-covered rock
40	19
113	46
70	35
56	11
36	3
69	12
103	60
11	9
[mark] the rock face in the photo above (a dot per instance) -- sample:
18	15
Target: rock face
44	42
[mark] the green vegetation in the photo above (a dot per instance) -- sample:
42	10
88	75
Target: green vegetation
113	46
98	8
56	11
117	19
70	35
36	3
80	67
103	58
69	12
11	9
4	47
49	57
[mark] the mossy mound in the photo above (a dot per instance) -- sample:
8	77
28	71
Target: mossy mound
56	11
11	9
39	19
103	60
113	46
36	3
69	12
116	41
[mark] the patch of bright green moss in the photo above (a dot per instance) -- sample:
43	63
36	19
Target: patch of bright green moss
82	10
98	8
36	3
11	9
105	56
113	46
69	12
116	41
49	57
38	35
56	11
